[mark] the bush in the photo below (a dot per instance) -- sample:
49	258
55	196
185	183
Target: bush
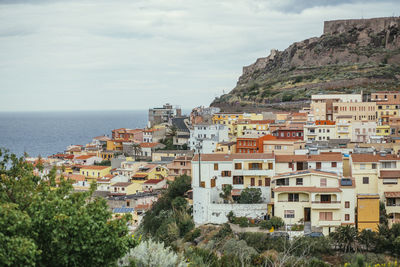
223	232
230	216
277	222
242	221
192	235
250	196
265	224
287	97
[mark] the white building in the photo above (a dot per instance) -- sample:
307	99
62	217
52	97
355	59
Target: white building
362	131
240	171
320	131
208	135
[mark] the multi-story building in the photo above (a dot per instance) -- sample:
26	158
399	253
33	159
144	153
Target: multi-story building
246	126
343	127
207	136
362	131
180	166
252	143
325	161
229	119
91	173
288	132
163	114
379	174
128	134
320	200
359	111
322	105
320	130
283	146
238	170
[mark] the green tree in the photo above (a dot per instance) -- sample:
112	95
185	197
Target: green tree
368	239
226	193
250	196
137	150
345	237
55	226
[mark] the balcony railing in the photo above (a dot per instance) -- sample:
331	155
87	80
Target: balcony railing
326	202
325	205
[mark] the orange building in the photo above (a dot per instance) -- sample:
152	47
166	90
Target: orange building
252	143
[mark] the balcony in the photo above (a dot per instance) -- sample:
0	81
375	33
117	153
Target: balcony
330	223
346	131
393	208
256	172
333	205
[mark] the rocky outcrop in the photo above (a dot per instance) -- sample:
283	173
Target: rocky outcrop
351	55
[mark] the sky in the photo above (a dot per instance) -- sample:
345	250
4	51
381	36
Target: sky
124	55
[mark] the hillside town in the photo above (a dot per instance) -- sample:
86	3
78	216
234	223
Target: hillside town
327	165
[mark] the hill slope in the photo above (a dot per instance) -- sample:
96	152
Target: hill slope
350	56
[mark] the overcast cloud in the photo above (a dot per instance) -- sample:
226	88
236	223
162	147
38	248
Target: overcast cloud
91	55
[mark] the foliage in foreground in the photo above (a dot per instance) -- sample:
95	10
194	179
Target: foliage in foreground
47	226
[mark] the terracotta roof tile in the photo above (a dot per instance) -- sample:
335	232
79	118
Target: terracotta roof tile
324	156
153	181
392	194
121	184
372	158
230	157
92	167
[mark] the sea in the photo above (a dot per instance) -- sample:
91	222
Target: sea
47	133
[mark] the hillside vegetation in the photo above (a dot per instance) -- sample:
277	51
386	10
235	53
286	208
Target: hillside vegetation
351	56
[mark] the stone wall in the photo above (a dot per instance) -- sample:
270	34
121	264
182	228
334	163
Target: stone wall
375	24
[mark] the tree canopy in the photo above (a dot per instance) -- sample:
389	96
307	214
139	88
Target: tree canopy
44	225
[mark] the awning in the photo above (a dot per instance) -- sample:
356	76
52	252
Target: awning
389	174
236	192
392	194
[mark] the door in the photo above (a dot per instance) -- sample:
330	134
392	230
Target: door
318	165
307	214
252	182
325	198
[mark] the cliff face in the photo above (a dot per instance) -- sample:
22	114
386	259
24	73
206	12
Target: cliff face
350	56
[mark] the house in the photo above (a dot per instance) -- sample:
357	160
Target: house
321	200
320	130
154	184
238	170
147	149
252	143
115	144
362	131
92	173
226	147
229	119
322	105
134	135
153	135
325	161
180	166
123	189
359	111
283	146
247	126
292	133
150	172
169	155
87	160
207	136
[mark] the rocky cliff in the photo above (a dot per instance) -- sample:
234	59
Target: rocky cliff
350	56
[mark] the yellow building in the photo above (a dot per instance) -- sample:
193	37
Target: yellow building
107	155
150	172
115	145
318	199
387	110
243	127
122	189
226	147
230	118
343	127
383	130
91	173
283	146
367	212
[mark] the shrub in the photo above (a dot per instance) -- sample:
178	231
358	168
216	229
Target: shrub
242	221
230	216
265	224
250	196
287	97
192	235
223	232
277	222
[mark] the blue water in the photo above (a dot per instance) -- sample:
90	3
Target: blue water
47	133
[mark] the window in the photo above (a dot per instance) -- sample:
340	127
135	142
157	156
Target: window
293	197
347	204
237	179
255	166
215	166
322	182
278	147
390	181
283	181
388	165
252	182
226	173
362	166
267	181
259	182
333	164
325	198
203	184
289	214
325	216
290	165
347	217
374	166
238	166
213	182
319	165
365	180
270	166
299	181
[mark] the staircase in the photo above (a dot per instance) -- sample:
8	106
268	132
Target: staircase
307	227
